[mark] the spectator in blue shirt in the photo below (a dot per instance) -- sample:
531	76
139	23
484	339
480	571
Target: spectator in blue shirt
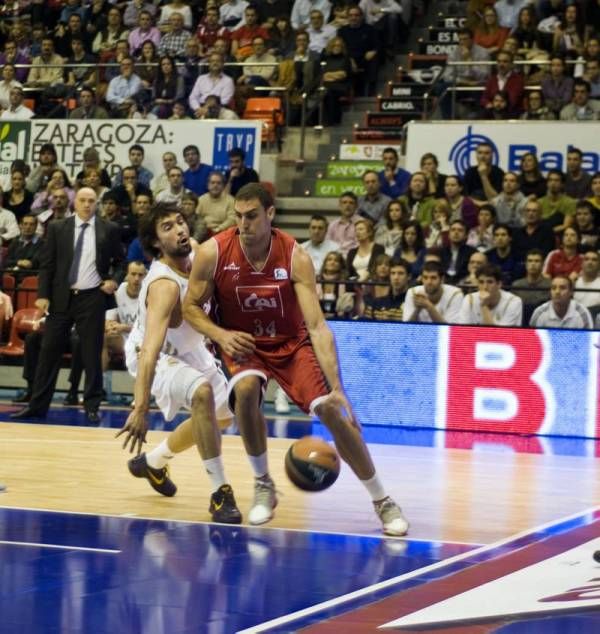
394	180
195	178
136	158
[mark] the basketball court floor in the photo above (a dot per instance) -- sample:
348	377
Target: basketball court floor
503	532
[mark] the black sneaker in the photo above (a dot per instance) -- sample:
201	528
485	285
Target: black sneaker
71	399
223	507
158	478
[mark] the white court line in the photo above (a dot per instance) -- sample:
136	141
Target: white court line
351	596
131	516
107	551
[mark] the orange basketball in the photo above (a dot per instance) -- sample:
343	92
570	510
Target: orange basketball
312	464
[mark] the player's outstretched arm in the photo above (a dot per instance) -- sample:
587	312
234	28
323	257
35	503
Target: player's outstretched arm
200	290
162	298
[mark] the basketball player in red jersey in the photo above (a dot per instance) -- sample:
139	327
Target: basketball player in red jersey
271	326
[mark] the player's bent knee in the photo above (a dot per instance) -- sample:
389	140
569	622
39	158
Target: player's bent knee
247	390
203	397
330	413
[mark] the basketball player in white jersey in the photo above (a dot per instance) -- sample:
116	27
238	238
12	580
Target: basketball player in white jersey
171	361
119	320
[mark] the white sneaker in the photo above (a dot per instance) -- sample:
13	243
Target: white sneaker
265	501
394	523
282	405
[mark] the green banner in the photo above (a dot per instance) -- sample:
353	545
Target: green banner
14	143
351	169
333	188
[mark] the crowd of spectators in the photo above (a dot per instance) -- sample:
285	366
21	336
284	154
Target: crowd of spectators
527	244
557	47
165	60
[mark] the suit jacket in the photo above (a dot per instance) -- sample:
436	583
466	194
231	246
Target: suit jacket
462	262
515	87
57	256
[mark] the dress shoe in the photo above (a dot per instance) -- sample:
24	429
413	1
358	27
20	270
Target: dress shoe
24	396
71	399
92	415
26	413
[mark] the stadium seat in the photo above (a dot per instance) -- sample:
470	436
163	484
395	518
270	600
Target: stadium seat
268	110
29	103
22	323
9	284
27	292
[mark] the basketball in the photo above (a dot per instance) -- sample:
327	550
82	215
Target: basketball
312	464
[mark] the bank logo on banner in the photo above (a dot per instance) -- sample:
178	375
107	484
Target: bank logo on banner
226	139
460	153
14	144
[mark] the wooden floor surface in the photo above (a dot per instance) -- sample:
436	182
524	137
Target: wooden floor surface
449	495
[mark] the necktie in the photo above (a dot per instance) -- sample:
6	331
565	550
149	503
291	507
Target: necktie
74	270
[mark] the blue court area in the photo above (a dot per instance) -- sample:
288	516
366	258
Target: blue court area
73	573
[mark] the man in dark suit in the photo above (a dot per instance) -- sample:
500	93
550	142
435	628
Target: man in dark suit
455	258
75	288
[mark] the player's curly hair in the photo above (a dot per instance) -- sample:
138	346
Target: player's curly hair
148	223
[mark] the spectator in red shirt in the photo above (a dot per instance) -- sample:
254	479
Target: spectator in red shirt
210	30
241	39
567	260
505	79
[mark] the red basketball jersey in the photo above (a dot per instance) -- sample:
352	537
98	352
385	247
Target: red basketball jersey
262	303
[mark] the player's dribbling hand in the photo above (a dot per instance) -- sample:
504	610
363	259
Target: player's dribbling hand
136	427
237	344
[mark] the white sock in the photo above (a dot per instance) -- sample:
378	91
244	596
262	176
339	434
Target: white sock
159	456
375	488
259	465
216	472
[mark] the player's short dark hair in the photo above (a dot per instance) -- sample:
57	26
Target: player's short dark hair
490	270
506	228
433	267
490	208
390	150
564	277
349	194
575	150
137	147
320	218
252	191
136	262
403	263
148	222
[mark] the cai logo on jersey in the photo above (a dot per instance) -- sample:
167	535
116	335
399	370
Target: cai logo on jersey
258	299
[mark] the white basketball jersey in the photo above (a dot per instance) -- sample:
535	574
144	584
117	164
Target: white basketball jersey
183	341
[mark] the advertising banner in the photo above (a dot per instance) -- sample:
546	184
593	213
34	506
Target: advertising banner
351	169
518	380
454	143
113	138
364	151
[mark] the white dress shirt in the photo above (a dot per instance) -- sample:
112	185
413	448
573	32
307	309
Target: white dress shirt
87	276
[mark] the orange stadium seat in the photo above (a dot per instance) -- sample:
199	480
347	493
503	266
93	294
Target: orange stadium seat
268	110
27	292
22	323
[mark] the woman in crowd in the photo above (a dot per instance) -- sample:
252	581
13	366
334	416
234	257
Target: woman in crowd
412	247
282	38
336	78
373	295
167	88
557	88
569	35
526	31
481	237
536	109
145	64
418	200
531	180
435	181
462	207
361	257
389	230
438	230
17	199
58	180
329	290
567	260
489	34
